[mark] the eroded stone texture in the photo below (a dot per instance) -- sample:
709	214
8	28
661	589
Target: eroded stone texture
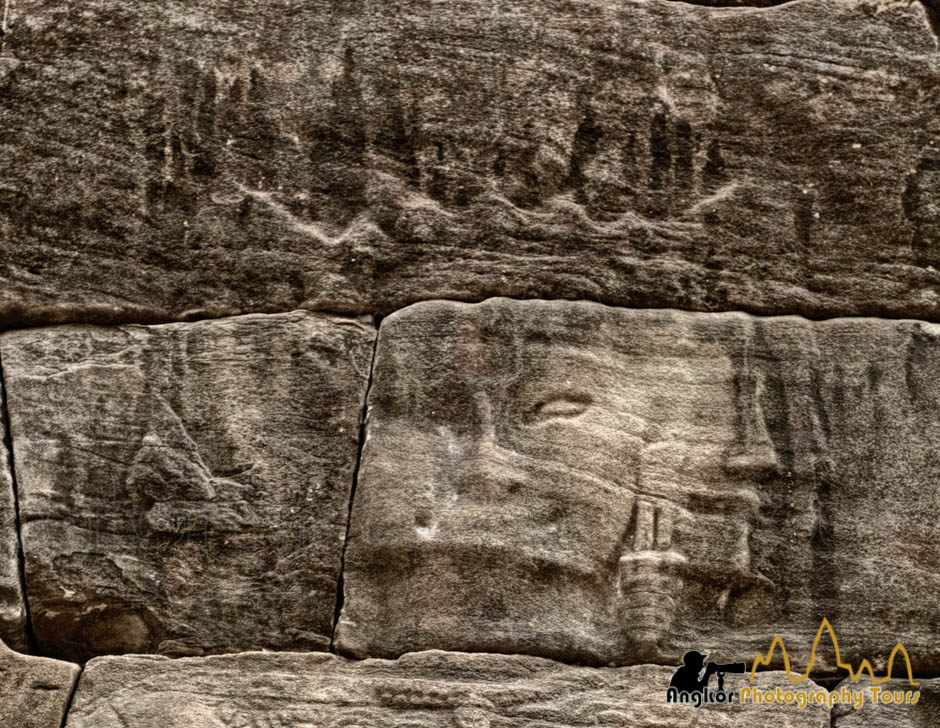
12	606
34	691
598	484
185	488
925	713
424	690
161	159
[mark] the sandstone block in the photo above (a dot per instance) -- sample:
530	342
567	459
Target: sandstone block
159	160
424	690
600	484
185	488
34	691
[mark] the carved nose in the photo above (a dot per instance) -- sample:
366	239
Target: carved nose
753	456
489	471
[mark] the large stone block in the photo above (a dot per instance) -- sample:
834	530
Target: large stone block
425	690
163	159
601	484
892	706
185	488
34	691
12	606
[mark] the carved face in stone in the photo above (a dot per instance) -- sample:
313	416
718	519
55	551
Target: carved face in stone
554	470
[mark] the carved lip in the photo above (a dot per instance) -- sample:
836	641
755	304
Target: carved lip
475	554
730	498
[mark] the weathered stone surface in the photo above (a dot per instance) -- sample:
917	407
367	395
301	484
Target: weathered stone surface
602	484
12	606
925	713
163	159
421	690
34	691
185	488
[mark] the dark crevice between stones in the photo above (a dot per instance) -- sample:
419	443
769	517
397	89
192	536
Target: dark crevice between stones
68	703
7	442
831	678
11	323
340	586
13	320
735	3
830	683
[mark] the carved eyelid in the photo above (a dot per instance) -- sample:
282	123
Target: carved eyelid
563	404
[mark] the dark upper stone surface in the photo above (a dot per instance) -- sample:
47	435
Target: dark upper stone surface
165	160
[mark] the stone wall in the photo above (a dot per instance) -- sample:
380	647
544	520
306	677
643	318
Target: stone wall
466	363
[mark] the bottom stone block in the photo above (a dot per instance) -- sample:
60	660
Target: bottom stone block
34	691
419	690
892	704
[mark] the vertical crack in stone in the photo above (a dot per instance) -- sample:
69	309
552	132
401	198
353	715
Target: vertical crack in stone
4	25
68	703
7	442
377	319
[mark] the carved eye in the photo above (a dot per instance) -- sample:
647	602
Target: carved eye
566	405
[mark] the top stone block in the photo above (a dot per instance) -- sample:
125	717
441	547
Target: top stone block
600	484
162	159
184	489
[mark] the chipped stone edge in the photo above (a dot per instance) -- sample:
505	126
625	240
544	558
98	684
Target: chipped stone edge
75	673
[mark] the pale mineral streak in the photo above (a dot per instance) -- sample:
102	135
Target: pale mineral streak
165	160
424	690
599	484
184	488
12	604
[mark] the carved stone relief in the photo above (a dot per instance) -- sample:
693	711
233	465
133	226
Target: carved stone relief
184	488
600	484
